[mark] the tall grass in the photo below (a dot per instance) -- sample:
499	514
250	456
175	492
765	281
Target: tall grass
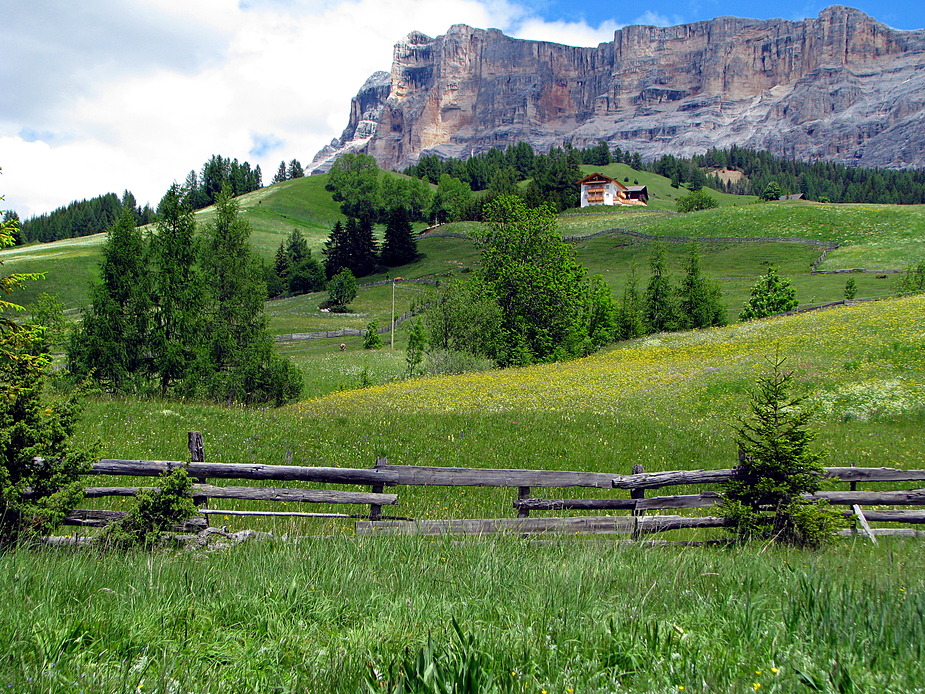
567	616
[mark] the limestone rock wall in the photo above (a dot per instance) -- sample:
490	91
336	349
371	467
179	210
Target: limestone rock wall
840	87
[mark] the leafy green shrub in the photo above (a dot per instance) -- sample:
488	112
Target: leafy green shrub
342	289
154	512
913	279
371	338
448	361
698	200
771	294
776	466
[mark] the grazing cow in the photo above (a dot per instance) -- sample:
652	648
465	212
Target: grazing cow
343	347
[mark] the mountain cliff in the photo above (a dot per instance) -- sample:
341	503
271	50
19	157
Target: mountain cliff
840	87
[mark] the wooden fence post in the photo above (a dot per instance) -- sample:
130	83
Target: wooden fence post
637	494
197	455
375	510
523	493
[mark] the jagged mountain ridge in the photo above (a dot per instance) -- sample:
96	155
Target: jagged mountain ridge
840	87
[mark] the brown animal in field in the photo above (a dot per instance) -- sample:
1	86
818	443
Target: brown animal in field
343	347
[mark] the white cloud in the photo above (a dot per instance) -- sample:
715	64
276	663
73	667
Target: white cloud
569	33
164	84
658	19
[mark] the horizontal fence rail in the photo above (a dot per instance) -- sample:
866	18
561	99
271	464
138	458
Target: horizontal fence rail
640	521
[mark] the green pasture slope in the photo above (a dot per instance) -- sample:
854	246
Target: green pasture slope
332	612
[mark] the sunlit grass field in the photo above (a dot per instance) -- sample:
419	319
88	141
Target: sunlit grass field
347	614
667	402
335	613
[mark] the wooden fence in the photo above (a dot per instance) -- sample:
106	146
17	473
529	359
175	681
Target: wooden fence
627	493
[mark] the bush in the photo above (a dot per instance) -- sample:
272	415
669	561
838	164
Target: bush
448	361
371	338
342	289
913	279
772	294
698	200
776	466
154	512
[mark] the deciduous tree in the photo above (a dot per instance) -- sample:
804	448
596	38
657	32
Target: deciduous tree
771	294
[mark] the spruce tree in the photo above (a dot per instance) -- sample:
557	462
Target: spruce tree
700	304
281	173
336	250
631	318
243	366
177	298
399	246
660	309
364	255
111	344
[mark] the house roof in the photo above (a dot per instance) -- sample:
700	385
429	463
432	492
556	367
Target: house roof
636	189
600	178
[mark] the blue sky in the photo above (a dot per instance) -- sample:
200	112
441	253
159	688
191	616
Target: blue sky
104	95
900	14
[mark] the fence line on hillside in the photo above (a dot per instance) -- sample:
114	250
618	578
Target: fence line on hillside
384	475
351	332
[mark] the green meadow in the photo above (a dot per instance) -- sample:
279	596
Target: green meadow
318	609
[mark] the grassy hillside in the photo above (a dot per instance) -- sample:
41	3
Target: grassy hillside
668	402
662	195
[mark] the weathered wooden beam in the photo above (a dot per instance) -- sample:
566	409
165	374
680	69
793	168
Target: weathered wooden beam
658	524
914	517
293	514
911	497
484	526
875	474
476	477
654	480
281	473
314	496
579	504
96	518
888	532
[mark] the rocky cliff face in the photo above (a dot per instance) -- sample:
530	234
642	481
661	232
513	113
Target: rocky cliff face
841	87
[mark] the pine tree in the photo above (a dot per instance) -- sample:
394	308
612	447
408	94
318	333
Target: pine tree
281	173
32	427
111	343
631	318
660	309
776	466
295	169
700	303
278	274
243	366
399	246
363	255
177	298
336	250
